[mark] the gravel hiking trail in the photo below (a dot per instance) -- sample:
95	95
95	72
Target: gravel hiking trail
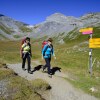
61	89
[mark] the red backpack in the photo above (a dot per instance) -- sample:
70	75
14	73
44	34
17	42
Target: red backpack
44	43
22	42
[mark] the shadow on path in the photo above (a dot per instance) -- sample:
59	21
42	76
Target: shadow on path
37	68
55	69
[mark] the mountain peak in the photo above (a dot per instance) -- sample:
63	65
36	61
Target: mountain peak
61	18
57	14
56	17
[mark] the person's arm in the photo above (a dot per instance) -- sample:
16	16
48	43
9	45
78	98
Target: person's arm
53	52
30	50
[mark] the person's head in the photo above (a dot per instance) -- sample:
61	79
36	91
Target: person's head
50	41
27	39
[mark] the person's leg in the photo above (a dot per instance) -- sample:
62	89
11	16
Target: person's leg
23	61
49	66
45	66
29	62
47	60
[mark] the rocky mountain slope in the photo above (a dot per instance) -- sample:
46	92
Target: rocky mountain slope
11	29
54	25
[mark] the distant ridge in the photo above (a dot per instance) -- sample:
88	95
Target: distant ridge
55	25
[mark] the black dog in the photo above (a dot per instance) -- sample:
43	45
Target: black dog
54	69
37	68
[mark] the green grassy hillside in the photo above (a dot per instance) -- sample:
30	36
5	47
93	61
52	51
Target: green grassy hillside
5	29
72	57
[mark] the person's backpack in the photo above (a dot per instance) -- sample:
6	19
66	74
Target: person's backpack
44	43
23	41
47	48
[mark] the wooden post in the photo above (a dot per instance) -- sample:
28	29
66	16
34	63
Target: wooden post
90	59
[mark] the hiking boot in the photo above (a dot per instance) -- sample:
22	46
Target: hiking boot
43	70
30	72
49	75
23	69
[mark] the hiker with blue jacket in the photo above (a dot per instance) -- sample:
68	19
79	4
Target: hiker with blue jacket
47	52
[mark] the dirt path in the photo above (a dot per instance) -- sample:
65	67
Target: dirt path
61	88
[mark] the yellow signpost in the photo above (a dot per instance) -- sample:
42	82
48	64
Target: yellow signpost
86	29
89	31
94	43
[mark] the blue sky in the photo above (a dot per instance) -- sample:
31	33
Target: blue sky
36	11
